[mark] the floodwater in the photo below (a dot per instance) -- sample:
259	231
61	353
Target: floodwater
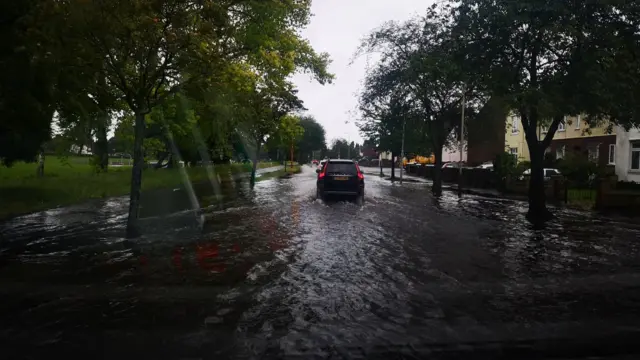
272	272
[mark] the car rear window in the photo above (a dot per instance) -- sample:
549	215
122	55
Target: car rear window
342	168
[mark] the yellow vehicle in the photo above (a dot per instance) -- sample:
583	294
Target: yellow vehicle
422	160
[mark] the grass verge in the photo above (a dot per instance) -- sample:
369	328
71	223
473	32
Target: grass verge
280	173
74	180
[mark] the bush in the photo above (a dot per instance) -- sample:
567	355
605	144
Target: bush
504	166
578	169
522	166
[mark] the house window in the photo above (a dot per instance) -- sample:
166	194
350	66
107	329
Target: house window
514	124
560	152
561	124
593	153
635	155
612	154
578	123
514	151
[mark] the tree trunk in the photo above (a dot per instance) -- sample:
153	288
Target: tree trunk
102	144
136	177
40	168
393	166
163	155
252	182
171	162
538	212
291	165
436	188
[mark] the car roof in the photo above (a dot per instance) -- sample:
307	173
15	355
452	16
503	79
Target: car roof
343	161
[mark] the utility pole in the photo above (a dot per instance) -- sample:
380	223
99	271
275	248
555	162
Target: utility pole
404	122
464	90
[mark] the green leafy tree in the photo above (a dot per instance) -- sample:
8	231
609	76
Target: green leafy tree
27	84
385	119
264	111
420	67
290	131
550	59
504	167
313	140
152	49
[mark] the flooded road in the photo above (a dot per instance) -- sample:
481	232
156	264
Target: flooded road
272	272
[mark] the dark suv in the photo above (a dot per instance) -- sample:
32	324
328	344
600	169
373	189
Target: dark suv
340	177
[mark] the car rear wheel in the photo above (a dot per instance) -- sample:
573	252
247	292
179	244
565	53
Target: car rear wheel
360	200
319	195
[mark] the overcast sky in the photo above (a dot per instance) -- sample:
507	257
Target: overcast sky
337	28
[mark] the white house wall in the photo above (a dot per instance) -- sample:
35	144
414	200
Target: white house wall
623	154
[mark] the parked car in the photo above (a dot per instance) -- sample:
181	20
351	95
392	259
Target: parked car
340	177
548	173
487	165
453	164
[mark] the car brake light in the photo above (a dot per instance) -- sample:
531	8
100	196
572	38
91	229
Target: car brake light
360	175
322	173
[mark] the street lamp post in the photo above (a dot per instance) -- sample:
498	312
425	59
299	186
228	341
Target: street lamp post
464	89
404	122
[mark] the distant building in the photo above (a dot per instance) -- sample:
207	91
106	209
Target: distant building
486	133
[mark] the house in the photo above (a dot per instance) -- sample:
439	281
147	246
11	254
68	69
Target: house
452	153
486	132
626	154
514	140
573	134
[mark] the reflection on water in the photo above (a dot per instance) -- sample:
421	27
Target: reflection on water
274	272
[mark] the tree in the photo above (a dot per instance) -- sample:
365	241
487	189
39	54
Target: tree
266	105
385	118
152	49
343	149
550	59
27	78
290	131
85	104
419	69
313	138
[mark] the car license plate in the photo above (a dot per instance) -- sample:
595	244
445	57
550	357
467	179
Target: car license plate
341	178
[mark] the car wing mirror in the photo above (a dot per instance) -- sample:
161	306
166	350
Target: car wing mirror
318	171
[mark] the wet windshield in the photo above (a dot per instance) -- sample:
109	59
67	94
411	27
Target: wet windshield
161	198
